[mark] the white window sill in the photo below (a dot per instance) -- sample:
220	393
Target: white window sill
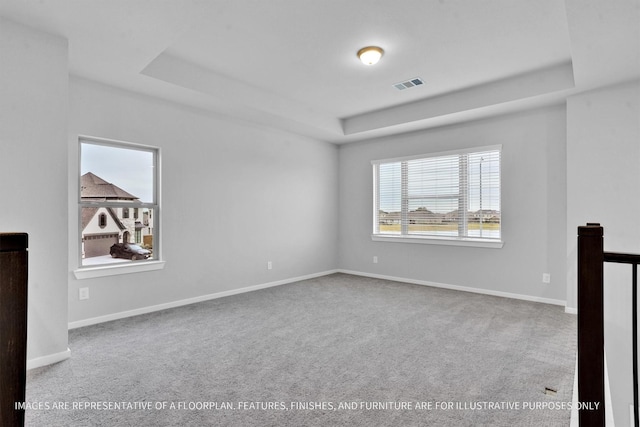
112	270
431	240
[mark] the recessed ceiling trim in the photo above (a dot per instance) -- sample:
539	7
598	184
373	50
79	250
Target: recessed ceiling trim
544	81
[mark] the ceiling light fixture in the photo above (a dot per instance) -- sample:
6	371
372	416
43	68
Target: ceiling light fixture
370	55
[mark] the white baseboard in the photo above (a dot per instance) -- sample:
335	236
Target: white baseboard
570	310
54	358
457	288
49	359
150	309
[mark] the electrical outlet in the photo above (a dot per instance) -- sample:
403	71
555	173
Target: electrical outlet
269	265
83	293
546	278
375	259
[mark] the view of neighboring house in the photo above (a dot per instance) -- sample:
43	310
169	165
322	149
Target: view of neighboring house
104	226
424	216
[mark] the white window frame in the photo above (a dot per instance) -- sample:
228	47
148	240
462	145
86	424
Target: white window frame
157	262
404	237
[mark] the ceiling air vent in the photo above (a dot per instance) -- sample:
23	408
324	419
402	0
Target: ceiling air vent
409	83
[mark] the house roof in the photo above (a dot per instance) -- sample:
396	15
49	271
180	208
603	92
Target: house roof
95	188
87	214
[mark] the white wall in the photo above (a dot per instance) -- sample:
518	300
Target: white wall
33	173
603	185
533	208
562	168
234	196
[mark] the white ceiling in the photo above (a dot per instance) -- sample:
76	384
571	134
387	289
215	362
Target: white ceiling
292	65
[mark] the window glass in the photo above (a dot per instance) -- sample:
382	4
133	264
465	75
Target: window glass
132	170
446	196
390	199
116	178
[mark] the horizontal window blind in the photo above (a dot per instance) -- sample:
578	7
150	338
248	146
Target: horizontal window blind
453	195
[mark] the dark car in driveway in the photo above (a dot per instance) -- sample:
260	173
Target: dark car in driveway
129	251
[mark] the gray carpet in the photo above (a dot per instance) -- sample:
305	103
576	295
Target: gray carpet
310	346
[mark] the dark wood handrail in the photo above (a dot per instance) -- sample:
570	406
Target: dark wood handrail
591	259
621	258
634	260
591	324
13	326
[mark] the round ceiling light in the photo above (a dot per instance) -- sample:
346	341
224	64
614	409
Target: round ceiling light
370	55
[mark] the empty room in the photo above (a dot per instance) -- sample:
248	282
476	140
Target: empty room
319	212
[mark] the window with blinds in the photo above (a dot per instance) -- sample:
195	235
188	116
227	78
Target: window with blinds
452	195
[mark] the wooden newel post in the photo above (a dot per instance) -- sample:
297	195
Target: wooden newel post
591	323
13	326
